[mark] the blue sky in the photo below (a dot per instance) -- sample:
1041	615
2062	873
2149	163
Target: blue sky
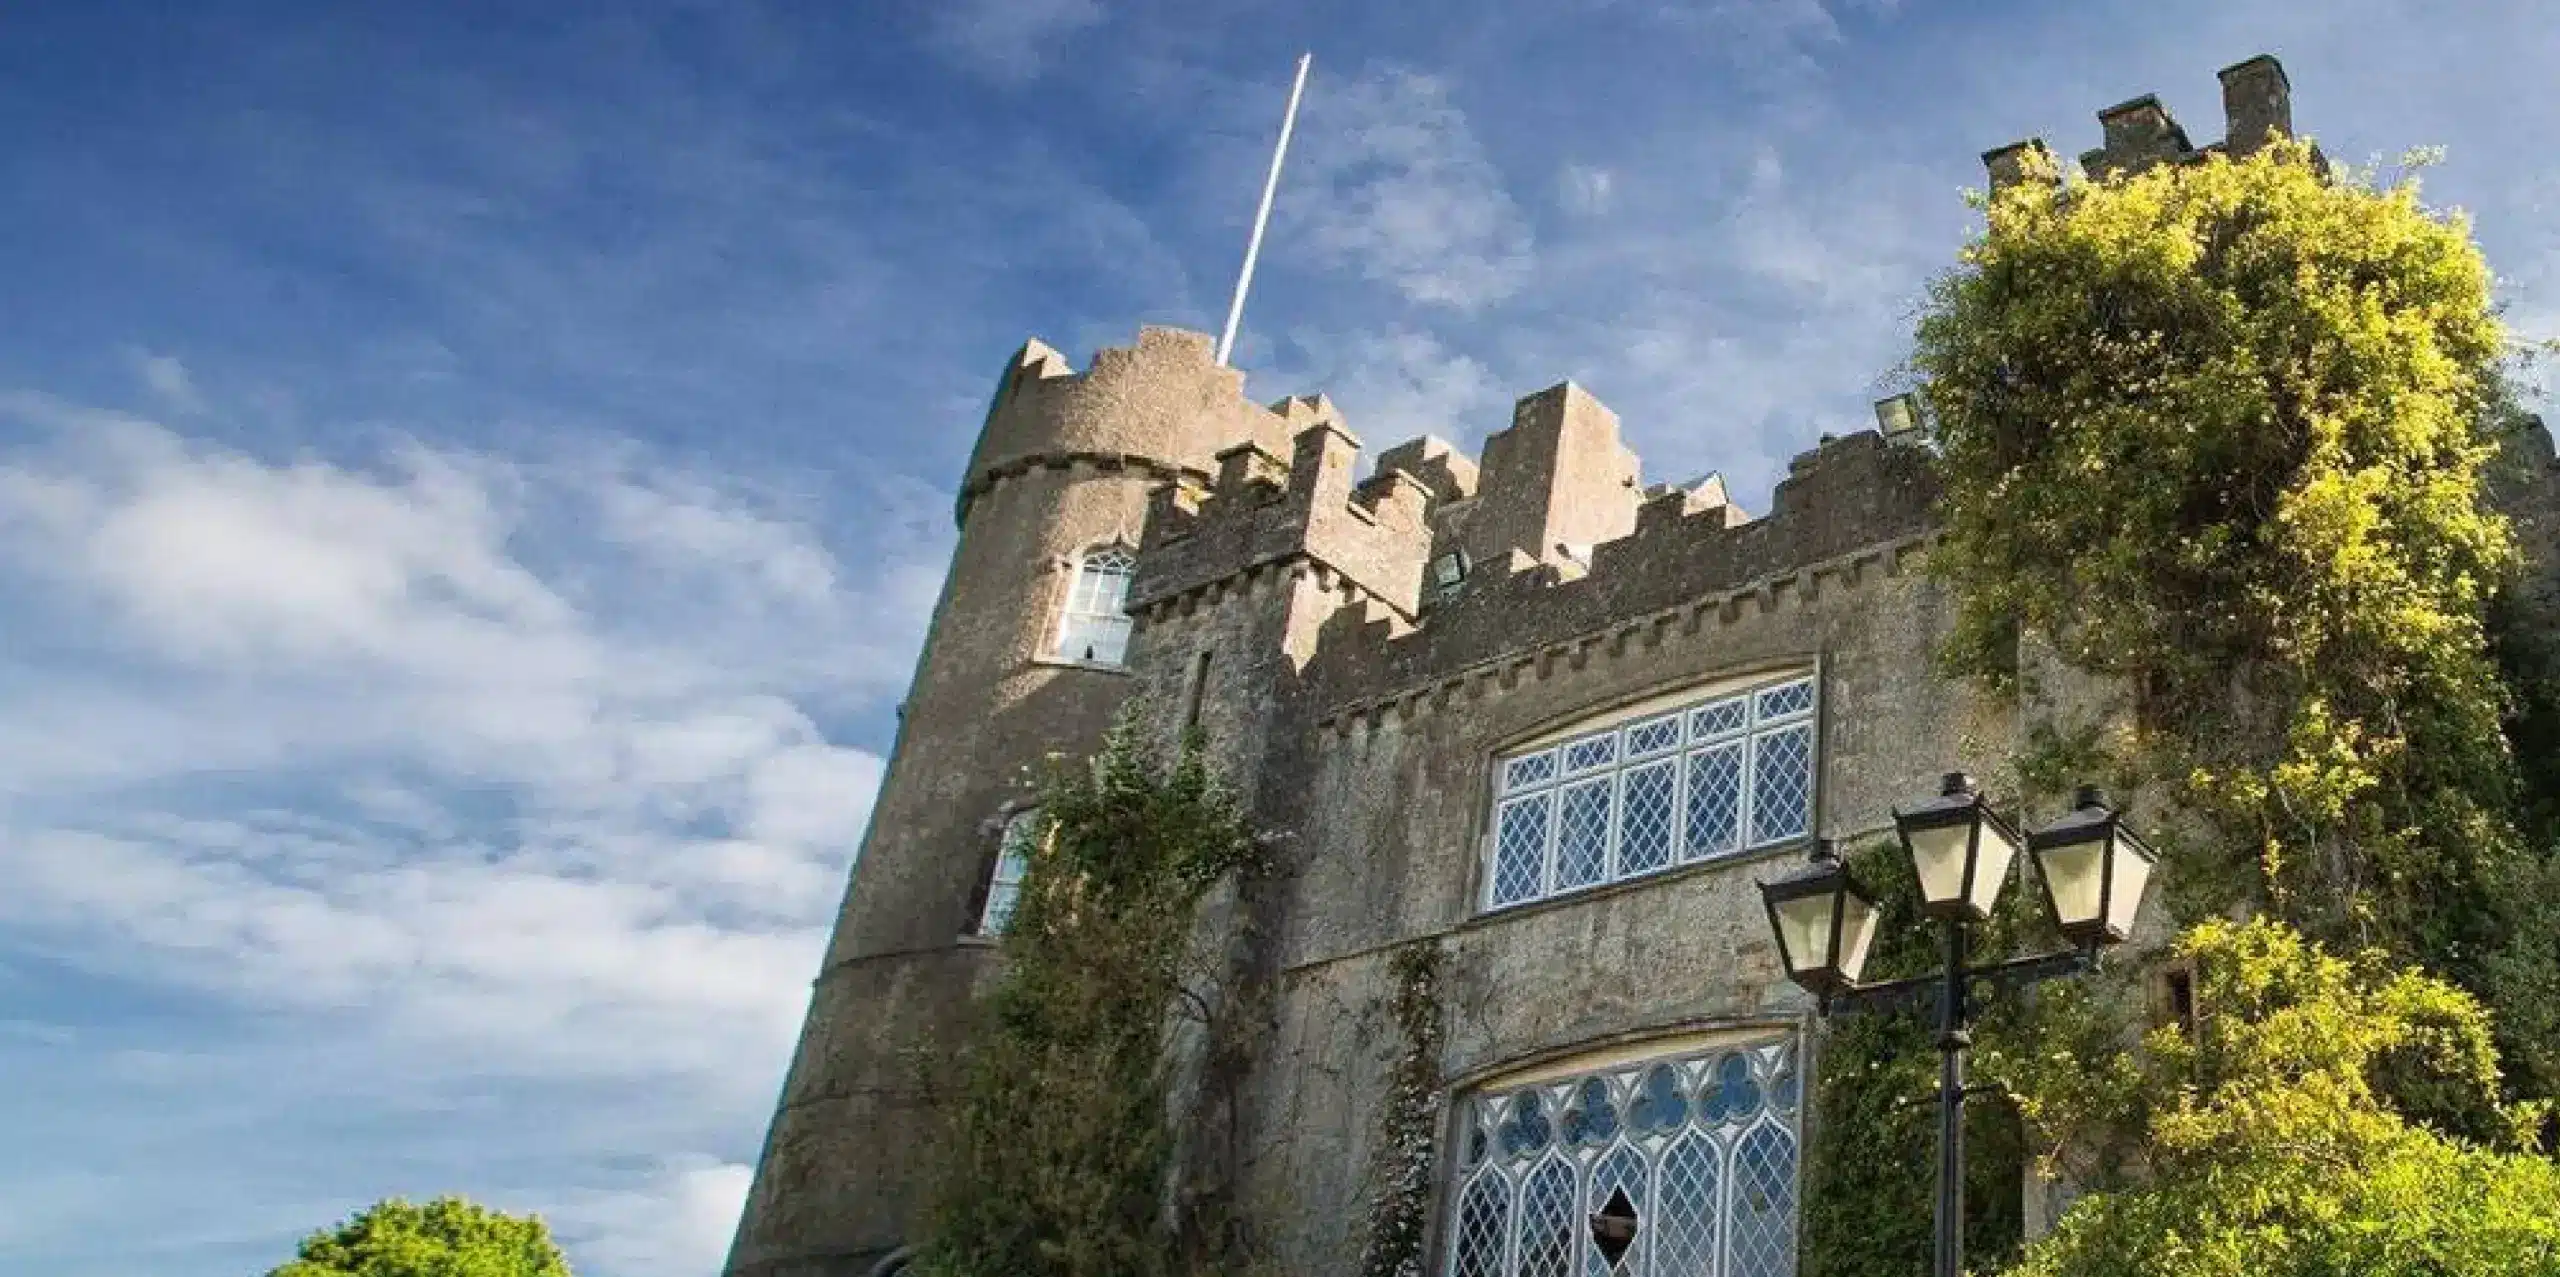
473	477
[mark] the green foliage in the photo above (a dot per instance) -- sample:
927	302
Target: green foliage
1061	1147
2271	1151
1400	1215
447	1237
2222	433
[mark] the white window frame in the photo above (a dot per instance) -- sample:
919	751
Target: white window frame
1093	622
1012	865
1764	709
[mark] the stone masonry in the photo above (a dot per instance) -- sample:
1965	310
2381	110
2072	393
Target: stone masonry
1359	696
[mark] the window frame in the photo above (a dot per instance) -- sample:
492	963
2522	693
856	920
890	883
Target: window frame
1550	761
1480	1108
1076	615
1021	829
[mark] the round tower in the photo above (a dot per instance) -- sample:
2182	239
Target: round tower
1023	659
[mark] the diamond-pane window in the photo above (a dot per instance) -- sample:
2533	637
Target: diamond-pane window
1653	736
1529	769
1723	718
1786	701
1484	1222
1689	784
1582	835
1594	751
1621	1171
1520	849
1715	802
1645	817
1781	784
1685	1226
1712	1197
1764	1204
1549	1226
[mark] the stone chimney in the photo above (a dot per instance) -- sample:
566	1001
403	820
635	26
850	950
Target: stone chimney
2257	103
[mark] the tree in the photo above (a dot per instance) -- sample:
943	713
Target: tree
2272	1151
447	1237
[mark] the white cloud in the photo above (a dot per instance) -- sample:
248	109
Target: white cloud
676	1225
1585	189
1393	184
477	769
1009	41
1397	383
165	376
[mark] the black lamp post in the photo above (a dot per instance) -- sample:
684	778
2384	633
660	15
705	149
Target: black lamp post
2093	869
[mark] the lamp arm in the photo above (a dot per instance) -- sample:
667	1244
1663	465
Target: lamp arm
1916	992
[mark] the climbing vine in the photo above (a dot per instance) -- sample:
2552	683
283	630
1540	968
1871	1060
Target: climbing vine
1062	1147
2222	433
1400	1213
2233	437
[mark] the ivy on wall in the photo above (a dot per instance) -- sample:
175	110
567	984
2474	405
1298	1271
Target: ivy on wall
2221	433
1408	1120
2226	435
1062	1147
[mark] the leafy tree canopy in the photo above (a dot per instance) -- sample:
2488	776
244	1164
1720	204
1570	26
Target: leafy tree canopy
447	1237
2224	433
2272	1151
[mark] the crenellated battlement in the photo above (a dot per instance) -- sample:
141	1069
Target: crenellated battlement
1691	556
1261	510
2257	105
1162	406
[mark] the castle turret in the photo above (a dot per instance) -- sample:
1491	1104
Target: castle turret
1026	657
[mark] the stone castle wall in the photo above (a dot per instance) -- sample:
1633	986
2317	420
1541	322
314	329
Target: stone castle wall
1300	615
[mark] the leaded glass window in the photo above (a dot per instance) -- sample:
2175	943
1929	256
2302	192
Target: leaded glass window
1013	863
1095	627
1723	775
1703	1144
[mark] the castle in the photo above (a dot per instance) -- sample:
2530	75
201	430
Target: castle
1522	708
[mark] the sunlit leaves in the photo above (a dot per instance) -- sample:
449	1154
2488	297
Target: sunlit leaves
447	1237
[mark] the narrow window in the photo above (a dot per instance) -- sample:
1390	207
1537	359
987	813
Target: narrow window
1095	628
1199	690
1013	862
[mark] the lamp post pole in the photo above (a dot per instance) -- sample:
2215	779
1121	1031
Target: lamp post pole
1953	1040
2093	871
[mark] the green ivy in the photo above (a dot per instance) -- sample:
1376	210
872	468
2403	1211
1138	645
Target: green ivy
1061	1147
2223	433
1400	1213
2270	1148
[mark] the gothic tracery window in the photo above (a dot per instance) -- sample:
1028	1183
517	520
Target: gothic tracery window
1721	775
1094	629
1703	1145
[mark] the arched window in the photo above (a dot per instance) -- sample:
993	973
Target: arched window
1722	774
1013	863
1095	629
1701	1143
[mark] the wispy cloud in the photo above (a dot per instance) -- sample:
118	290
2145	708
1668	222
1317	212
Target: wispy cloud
1394	186
540	790
1010	41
